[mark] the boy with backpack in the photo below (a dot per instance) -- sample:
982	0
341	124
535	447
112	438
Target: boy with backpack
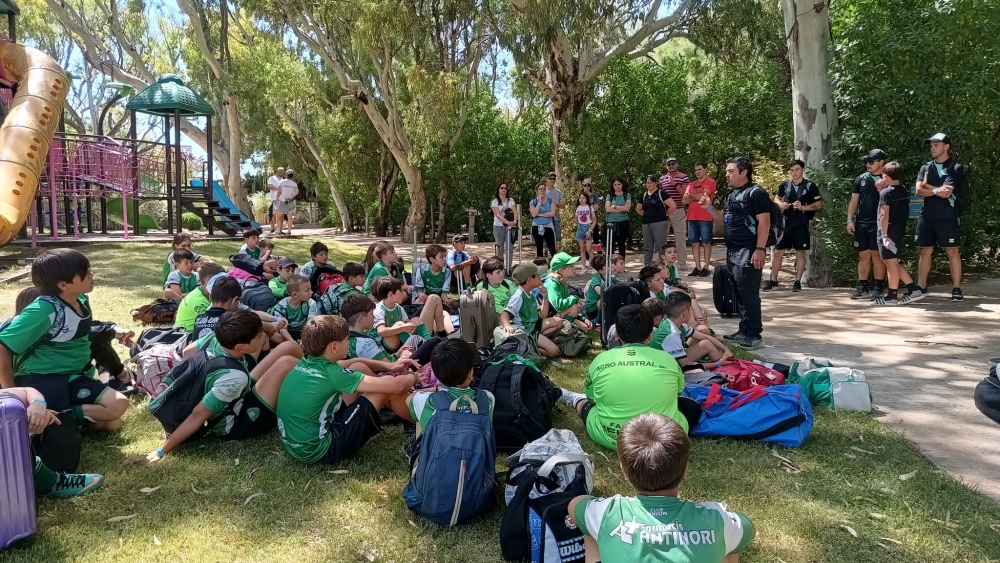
494	282
320	255
454	478
354	278
213	392
297	308
656	525
625	382
326	412
47	345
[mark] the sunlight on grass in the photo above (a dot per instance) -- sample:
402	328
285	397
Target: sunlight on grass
200	511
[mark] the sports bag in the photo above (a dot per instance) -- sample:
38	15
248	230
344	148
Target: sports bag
174	336
779	414
324	277
159	312
501	338
727	301
258	296
987	396
156	352
571	340
477	316
561	449
453	469
841	388
18	518
184	388
536	524
745	374
523	401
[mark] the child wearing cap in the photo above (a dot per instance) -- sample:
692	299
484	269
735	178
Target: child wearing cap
566	305
278	285
462	265
522	312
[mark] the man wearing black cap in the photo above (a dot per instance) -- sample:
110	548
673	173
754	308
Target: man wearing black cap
942	184
556	195
864	227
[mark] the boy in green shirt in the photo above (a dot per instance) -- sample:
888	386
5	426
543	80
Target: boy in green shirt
297	308
251	242
331	301
279	285
47	345
385	266
197	302
182	280
326	412
452	361
592	294
566	305
493	281
656	525
392	323
522	310
625	382
432	278
652	276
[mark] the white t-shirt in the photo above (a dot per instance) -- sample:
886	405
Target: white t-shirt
509	204
673	344
272	187
287	188
584	215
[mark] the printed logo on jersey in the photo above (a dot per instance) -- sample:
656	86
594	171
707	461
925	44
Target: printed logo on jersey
662	534
253	413
83	393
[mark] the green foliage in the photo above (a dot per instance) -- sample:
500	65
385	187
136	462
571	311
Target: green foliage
192	222
906	69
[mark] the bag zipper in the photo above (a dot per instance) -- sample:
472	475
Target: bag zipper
458	493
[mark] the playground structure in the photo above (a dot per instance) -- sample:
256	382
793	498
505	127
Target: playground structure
43	168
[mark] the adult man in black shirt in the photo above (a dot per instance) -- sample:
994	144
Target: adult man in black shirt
747	220
799	199
942	184
864	202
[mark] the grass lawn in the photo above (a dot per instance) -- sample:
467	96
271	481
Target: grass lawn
839	498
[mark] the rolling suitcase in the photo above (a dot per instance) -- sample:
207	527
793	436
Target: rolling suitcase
727	301
614	296
477	317
17	482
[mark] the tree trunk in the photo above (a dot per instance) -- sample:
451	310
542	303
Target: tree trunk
417	216
807	27
386	190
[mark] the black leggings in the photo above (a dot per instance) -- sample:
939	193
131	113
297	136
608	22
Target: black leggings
689	408
548	239
101	350
619	236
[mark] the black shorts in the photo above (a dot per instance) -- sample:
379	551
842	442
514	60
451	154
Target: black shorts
255	418
585	411
61	394
796	238
944	233
352	427
886	254
865	237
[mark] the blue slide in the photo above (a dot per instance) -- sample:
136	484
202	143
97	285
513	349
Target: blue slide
220	195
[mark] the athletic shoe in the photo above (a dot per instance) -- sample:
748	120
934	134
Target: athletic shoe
877	294
704	273
571	398
881	301
860	292
126	388
770	285
74	484
695	273
735	337
916	295
956	294
752	343
797	286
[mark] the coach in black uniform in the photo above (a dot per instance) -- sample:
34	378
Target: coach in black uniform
864	227
799	199
942	184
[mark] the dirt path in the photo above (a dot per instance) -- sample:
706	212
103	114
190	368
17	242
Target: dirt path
923	361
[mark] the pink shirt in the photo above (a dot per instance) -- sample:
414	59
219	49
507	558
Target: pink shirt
696	188
674	189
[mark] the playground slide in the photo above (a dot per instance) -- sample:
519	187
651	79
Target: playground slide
220	195
146	222
25	135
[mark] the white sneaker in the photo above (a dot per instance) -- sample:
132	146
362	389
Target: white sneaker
571	398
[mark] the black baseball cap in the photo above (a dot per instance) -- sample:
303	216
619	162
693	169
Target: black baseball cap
938	138
286	262
874	154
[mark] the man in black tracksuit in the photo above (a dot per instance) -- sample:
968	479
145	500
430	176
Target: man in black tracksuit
864	227
942	184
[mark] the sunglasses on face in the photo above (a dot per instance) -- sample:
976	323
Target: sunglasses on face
588	185
869	161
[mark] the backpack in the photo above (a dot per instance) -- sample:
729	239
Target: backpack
614	297
249	265
174	336
452	473
779	414
987	396
331	300
544	477
530	346
523	401
159	312
323	278
777	217
155	354
571	340
745	374
184	388
257	295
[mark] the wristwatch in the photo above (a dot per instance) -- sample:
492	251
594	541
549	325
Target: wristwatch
760	248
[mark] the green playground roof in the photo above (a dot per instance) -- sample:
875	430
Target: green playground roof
167	95
9	7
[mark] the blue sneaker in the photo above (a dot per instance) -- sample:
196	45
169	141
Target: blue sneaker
75	484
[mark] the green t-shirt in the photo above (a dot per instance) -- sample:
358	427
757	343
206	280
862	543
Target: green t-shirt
193	304
378	270
278	288
422	408
308	401
368	345
388	317
50	337
674	276
430	283
501	293
591	299
668	338
255	253
626	382
523	310
331	301
662	529
558	294
187	283
169	266
296	316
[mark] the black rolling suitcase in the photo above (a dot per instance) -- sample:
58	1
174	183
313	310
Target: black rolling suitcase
615	296
727	301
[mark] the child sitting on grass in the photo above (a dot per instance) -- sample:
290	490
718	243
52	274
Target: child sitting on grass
47	345
592	294
326	412
672	278
279	285
432	278
237	403
181	240
670	337
320	255
386	263
452	361
522	312
567	306
225	293
494	281
652	276
656	525
251	244
365	344
197	302
182	280
297	308
331	301
392	323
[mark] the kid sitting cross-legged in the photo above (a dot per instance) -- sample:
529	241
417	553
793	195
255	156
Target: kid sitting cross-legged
181	241
182	280
365	344
672	277
235	403
433	278
297	308
567	306
670	337
320	255
47	345
391	321
326	412
493	281
522	310
656	525
331	301
386	264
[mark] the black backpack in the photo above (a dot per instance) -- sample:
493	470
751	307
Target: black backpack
257	295
523	401
727	301
738	208
173	336
537	529
987	396
247	264
614	297
186	388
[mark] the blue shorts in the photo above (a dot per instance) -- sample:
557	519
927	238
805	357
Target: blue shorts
581	232
699	232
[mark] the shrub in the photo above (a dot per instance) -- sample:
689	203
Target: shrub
192	222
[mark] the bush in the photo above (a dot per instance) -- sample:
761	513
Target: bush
192	222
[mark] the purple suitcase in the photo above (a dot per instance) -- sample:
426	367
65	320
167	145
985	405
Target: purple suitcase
17	484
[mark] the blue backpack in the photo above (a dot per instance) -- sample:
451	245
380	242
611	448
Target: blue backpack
779	414
453	469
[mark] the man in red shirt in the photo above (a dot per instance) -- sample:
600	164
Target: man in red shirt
699	222
674	183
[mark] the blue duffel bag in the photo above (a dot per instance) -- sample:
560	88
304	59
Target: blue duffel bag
779	414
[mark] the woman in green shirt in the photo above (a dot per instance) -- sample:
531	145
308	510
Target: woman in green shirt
618	205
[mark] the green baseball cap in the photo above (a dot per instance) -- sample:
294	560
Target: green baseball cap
561	260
